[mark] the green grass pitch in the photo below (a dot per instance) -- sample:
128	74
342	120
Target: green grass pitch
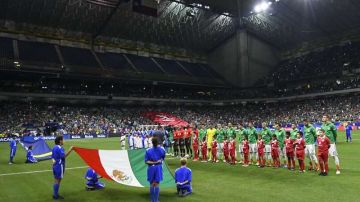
211	182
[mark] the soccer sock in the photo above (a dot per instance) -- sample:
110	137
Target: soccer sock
152	194
56	189
337	161
326	168
156	193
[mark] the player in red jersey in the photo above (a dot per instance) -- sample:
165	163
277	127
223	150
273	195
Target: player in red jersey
182	141
232	149
275	151
300	151
226	150
204	149
176	142
289	147
323	152
246	151
187	137
214	150
195	145
261	151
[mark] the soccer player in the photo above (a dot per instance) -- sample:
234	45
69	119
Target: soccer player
13	146
171	141
331	133
58	167
252	137
153	158
214	150
280	136
261	151
232	149
226	150
204	149
92	180
209	137
202	132
310	137
176	142
294	131
246	151
181	133
195	145
29	156
220	134
187	138
183	179
300	151
241	134
123	141
289	147
323	152
348	129
275	151
266	135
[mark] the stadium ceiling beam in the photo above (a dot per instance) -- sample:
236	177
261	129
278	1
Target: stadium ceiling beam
106	21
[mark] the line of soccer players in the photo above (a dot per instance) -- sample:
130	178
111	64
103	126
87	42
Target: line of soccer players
263	148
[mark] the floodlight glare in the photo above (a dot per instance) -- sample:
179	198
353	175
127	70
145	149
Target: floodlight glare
262	7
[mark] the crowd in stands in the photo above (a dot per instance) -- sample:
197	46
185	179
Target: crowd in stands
82	119
326	62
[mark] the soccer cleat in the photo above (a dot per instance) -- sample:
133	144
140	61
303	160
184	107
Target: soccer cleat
58	197
338	172
325	174
10	163
321	174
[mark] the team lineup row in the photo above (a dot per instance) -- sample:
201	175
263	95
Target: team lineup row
261	147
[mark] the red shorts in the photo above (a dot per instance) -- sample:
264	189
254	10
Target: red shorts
290	154
300	155
323	156
261	153
274	154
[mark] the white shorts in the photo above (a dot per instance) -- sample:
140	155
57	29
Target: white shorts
332	150
310	150
220	147
122	140
267	148
282	152
253	148
241	148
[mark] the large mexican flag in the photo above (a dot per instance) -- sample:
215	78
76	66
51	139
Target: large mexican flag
122	166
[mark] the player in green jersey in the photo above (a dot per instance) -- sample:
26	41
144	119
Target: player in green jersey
266	135
280	136
331	133
310	138
294	131
252	137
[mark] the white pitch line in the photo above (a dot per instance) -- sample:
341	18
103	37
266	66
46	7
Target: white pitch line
40	171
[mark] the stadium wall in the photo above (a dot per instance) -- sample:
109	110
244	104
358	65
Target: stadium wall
244	59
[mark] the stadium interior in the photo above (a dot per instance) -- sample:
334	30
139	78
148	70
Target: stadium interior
95	67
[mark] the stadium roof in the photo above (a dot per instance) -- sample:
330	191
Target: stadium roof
198	25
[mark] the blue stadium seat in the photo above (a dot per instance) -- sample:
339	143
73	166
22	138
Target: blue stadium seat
144	64
6	48
114	61
37	52
196	69
171	67
78	57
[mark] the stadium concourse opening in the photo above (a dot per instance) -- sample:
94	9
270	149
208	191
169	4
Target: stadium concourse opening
179	100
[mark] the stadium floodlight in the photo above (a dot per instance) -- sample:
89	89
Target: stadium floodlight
263	6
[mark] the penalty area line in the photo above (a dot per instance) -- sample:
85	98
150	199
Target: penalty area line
39	171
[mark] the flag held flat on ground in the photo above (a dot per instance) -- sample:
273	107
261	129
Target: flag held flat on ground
122	166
